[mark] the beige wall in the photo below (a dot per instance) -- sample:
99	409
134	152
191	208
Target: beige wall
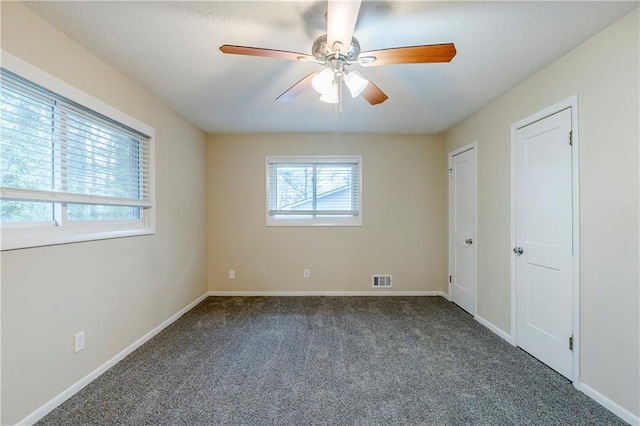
115	290
402	232
604	73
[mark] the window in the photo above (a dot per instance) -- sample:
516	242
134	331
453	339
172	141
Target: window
317	190
67	172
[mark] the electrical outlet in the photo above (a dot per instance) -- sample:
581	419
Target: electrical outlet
306	273
232	274
78	340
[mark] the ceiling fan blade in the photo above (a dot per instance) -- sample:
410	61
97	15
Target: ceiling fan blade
267	53
341	21
372	93
410	55
293	91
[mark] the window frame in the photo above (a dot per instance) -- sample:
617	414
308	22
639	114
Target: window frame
355	220
18	235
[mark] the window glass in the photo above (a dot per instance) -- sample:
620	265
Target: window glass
98	212
26	152
23	211
294	186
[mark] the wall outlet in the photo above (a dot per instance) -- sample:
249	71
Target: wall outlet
306	273
232	274
78	342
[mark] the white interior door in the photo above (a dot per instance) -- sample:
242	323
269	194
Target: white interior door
462	229
544	235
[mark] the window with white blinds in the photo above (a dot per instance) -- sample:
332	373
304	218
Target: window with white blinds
317	190
68	167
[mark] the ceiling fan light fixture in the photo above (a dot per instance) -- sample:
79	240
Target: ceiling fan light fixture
323	81
331	95
355	83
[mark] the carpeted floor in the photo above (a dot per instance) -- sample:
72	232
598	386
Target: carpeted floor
328	360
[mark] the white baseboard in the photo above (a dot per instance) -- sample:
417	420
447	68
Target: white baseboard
327	293
625	415
493	328
76	387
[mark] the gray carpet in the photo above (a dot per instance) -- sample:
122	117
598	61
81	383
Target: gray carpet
328	360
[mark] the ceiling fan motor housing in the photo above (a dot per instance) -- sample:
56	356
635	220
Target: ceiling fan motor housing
324	53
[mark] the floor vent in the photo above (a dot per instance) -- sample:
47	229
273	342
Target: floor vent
381	281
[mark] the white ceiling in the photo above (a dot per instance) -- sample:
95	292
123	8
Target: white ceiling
171	49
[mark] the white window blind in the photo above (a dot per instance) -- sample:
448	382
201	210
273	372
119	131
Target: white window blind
321	188
54	150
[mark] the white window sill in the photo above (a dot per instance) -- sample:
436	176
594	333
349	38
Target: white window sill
14	239
350	221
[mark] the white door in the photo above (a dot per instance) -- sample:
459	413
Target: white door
462	229
543	207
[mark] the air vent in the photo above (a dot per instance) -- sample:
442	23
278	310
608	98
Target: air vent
381	281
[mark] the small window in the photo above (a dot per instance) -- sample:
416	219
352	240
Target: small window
68	173
317	190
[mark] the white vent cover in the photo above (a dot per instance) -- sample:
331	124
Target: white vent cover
381	281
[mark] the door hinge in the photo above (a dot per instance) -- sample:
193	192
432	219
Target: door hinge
571	343
450	172
449	278
571	138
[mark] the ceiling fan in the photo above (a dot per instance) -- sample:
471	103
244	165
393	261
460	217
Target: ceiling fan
338	50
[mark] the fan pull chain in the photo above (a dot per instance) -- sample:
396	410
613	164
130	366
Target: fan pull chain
340	84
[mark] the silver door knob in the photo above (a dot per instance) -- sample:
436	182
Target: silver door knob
469	241
518	251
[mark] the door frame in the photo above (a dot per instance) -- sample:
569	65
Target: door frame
471	146
572	103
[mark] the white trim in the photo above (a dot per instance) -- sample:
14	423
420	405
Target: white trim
462	149
76	387
314	159
506	336
472	146
354	221
33	237
625	415
572	103
328	293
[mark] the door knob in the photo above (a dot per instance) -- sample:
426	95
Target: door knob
469	241
518	250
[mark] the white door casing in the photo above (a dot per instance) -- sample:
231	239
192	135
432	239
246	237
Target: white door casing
544	240
462	227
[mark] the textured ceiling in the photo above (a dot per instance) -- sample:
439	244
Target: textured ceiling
171	49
